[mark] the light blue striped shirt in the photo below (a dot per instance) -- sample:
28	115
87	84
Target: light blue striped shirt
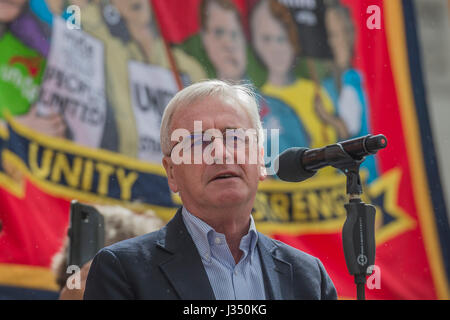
229	281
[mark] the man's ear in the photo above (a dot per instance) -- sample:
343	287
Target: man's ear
169	167
262	167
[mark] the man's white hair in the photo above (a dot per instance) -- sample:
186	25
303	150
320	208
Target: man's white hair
241	94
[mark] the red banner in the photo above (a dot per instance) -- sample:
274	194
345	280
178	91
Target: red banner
326	71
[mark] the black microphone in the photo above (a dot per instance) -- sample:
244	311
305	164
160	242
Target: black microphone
298	164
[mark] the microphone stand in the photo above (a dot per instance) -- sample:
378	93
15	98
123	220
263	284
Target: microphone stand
358	232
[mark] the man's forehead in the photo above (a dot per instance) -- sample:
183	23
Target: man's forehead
212	112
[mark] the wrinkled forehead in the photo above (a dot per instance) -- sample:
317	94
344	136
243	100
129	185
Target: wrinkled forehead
220	112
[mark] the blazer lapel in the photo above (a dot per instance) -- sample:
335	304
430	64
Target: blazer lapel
277	272
184	268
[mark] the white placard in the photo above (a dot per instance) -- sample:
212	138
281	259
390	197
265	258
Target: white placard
151	89
74	83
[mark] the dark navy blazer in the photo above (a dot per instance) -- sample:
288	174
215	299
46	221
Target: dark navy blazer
165	264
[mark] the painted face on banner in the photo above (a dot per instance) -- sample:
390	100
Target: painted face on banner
338	38
225	43
10	10
136	12
220	183
271	41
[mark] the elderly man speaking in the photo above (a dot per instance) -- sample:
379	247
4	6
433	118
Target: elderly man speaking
213	155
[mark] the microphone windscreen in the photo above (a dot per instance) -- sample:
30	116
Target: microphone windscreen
375	143
289	165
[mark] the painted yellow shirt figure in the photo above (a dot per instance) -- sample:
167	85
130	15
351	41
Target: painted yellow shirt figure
300	95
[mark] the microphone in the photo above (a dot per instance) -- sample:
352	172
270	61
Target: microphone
298	164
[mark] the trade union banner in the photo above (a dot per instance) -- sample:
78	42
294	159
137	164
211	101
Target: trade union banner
82	93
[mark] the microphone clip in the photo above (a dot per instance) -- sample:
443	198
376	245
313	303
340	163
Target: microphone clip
340	159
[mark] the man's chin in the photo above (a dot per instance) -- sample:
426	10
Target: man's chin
229	197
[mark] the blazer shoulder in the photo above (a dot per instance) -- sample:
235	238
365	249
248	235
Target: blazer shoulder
286	252
308	271
137	245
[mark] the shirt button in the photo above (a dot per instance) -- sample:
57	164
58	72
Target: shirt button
217	240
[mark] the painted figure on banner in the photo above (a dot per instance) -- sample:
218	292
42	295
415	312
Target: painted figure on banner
141	75
21	66
33	28
224	41
74	84
276	42
345	85
71	101
132	76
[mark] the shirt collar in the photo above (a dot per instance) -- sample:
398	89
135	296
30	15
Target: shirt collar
248	242
203	235
199	230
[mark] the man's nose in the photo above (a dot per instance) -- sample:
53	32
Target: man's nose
222	154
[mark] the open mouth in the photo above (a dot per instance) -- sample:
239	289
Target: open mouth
225	176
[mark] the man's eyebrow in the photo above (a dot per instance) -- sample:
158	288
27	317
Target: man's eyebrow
222	130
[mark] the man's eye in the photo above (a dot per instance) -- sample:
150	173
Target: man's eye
239	141
196	142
